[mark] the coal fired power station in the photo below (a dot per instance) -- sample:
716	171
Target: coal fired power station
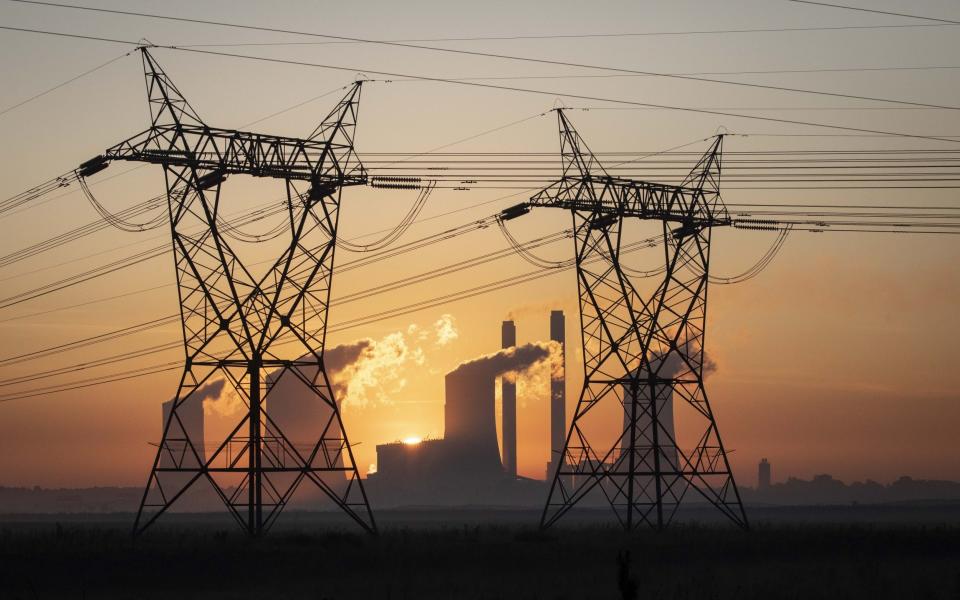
466	466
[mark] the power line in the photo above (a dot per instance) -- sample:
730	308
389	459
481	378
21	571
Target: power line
566	95
395	312
556	36
67	179
475	168
524	77
69	35
875	11
757	72
132	374
60	85
458	296
88	341
468	53
560	94
346	299
745	221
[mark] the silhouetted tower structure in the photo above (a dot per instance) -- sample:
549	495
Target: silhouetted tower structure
763	475
508	394
238	326
628	338
558	392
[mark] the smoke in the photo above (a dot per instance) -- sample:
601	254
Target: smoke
217	399
673	365
376	371
517	360
445	330
338	358
362	372
532	367
537	310
709	365
210	390
357	369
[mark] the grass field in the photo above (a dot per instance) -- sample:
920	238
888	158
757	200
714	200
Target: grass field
192	556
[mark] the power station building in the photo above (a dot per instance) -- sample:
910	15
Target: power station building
466	466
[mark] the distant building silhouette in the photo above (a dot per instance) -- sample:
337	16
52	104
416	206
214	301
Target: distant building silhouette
824	489
763	475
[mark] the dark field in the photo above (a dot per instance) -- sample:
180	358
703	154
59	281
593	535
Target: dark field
880	553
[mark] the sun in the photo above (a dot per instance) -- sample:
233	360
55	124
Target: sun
412	440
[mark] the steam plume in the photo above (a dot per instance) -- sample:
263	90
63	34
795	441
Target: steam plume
509	362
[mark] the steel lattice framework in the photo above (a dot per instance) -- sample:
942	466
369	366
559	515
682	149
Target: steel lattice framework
643	354
232	321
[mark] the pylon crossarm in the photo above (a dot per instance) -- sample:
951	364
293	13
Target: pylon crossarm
610	196
240	152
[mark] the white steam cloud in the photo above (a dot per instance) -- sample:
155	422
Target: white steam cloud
515	360
445	329
362	373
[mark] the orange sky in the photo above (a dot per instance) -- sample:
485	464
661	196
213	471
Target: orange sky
839	358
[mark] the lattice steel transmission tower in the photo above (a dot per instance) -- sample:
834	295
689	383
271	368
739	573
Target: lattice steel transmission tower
643	353
252	332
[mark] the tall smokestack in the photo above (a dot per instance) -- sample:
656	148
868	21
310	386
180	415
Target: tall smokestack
558	393
508	335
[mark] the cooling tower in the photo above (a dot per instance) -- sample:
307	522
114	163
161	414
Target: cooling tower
187	426
509	403
302	416
469	419
651	398
558	394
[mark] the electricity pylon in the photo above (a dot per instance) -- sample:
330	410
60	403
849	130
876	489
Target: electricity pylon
643	354
250	331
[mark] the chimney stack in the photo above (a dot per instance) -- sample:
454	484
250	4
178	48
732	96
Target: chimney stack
763	475
558	394
509	395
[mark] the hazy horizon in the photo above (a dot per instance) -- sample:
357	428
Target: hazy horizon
839	358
